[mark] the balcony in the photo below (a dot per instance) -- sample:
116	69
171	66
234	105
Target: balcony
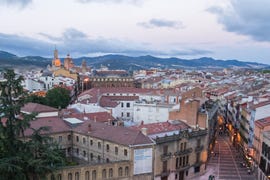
181	168
165	157
199	148
183	152
165	173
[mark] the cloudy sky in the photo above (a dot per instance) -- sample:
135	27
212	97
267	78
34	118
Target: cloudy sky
223	29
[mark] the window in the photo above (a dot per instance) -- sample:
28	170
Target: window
77	176
197	157
59	177
99	145
69	137
84	153
108	147
185	145
91	156
87	177
84	141
77	151
181	147
122	104
69	149
180	162
91	142
184	161
187	158
104	173
196	169
165	149
164	166
128	105
126	171
120	171
98	158
176	163
60	139
94	174
69	176
125	152
122	114
110	173
116	150
77	138
198	142
107	160
128	114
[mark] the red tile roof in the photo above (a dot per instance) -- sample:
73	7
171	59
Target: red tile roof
117	134
38	108
262	123
55	124
155	128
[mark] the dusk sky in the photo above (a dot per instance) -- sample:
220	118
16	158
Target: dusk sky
222	29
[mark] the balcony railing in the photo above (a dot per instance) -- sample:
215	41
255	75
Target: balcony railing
183	152
166	156
181	168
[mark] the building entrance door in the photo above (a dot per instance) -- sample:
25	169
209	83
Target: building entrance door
181	175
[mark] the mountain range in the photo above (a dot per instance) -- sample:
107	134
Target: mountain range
129	63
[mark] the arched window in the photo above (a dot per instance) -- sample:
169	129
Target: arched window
69	176
126	171
104	173
77	176
87	176
94	175
120	171
110	172
59	177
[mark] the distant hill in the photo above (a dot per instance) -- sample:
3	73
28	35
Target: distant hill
130	63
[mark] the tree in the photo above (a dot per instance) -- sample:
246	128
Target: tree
21	159
35	99
58	97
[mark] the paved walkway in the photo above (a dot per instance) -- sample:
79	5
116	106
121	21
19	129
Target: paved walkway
225	162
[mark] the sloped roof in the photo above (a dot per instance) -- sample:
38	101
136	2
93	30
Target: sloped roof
38	108
155	128
117	134
55	124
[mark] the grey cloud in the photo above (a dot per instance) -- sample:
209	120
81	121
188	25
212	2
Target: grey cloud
246	17
19	3
152	23
78	44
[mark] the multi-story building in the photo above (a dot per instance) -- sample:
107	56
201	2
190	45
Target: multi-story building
264	166
180	151
105	151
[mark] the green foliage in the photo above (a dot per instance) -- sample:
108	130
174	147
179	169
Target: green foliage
266	71
58	97
21	159
35	99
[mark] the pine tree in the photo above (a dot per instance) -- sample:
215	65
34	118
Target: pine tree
21	158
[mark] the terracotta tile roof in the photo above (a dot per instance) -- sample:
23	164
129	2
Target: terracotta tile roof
260	104
155	128
56	125
262	123
117	134
38	108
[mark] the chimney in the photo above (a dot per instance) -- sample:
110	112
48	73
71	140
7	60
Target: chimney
144	131
89	128
142	122
95	118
